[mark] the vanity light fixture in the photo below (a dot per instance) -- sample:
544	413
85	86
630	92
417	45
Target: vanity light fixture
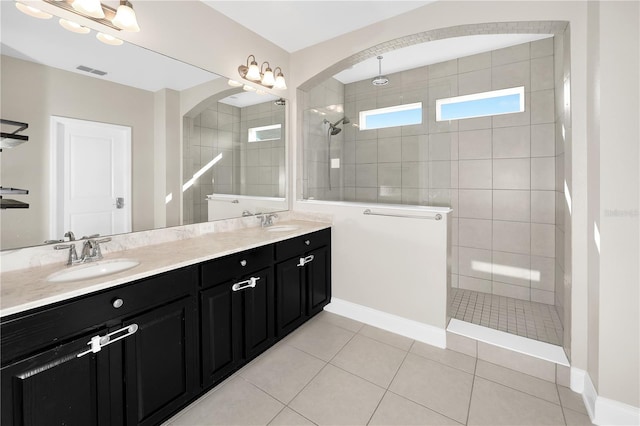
266	78
32	11
122	18
109	39
73	27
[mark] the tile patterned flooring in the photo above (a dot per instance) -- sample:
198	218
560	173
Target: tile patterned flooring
336	371
523	318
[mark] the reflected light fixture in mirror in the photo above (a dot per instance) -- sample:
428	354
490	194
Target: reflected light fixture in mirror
234	83
32	11
74	27
109	39
91	8
251	72
124	18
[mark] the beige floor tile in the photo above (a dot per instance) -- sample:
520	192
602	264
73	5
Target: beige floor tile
540	368
396	410
340	321
288	417
335	397
520	381
573	418
283	372
370	359
441	388
494	404
320	339
445	356
235	403
571	400
458	343
387	337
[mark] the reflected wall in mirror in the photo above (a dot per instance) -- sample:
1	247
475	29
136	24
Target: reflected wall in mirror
233	156
145	91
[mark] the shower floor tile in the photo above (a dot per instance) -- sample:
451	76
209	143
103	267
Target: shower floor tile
523	318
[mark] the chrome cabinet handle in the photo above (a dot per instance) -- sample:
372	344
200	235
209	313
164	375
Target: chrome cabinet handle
304	260
243	262
98	342
307	242
117	303
251	282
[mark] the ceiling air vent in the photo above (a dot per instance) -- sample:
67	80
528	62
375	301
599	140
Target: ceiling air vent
91	70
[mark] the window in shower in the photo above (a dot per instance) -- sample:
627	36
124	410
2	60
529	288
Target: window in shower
399	115
495	102
265	133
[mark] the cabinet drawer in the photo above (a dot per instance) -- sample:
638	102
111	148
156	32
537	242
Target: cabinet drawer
302	244
25	333
236	265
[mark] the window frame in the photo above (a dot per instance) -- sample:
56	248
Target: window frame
385	110
480	96
254	130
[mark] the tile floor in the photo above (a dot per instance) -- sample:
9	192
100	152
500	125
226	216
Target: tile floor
523	318
336	371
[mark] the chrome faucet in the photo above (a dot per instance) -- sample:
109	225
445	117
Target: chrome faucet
266	219
90	250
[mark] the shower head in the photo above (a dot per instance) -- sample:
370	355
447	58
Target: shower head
343	120
335	130
380	80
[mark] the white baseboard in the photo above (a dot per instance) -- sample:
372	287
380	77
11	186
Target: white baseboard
603	411
405	327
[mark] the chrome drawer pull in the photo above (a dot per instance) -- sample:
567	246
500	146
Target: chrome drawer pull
305	260
251	282
117	303
99	342
243	262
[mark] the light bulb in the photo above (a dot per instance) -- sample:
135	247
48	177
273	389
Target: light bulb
280	84
32	11
234	83
267	78
73	27
254	72
91	8
109	39
247	88
126	18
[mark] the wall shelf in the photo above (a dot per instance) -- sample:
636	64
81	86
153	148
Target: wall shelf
12	139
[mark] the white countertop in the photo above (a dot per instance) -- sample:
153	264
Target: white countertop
26	289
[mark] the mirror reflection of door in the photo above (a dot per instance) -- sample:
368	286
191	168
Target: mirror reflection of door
91	168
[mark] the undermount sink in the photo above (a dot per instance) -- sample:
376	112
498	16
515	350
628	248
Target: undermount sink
281	228
93	270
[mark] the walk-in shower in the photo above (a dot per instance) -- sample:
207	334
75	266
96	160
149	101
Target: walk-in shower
332	131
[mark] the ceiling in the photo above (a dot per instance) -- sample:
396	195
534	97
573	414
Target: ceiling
296	24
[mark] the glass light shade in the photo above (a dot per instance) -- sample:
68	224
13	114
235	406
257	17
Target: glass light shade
109	39
254	72
32	11
280	83
73	27
91	8
267	78
234	83
126	19
247	88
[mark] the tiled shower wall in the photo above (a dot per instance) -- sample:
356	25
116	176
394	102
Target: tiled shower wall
244	169
498	173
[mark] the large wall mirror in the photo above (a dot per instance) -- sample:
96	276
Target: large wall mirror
198	150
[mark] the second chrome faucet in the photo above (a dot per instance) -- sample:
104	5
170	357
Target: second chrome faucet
90	250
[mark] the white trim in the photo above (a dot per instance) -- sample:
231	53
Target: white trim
534	348
405	327
603	411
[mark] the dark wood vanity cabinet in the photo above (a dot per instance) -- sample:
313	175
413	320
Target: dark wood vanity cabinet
171	337
237	311
303	279
139	378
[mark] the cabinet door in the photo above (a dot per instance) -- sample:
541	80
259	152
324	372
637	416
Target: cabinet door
160	362
57	387
318	275
259	315
220	313
290	296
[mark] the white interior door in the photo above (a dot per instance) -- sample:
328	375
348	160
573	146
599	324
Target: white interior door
91	165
